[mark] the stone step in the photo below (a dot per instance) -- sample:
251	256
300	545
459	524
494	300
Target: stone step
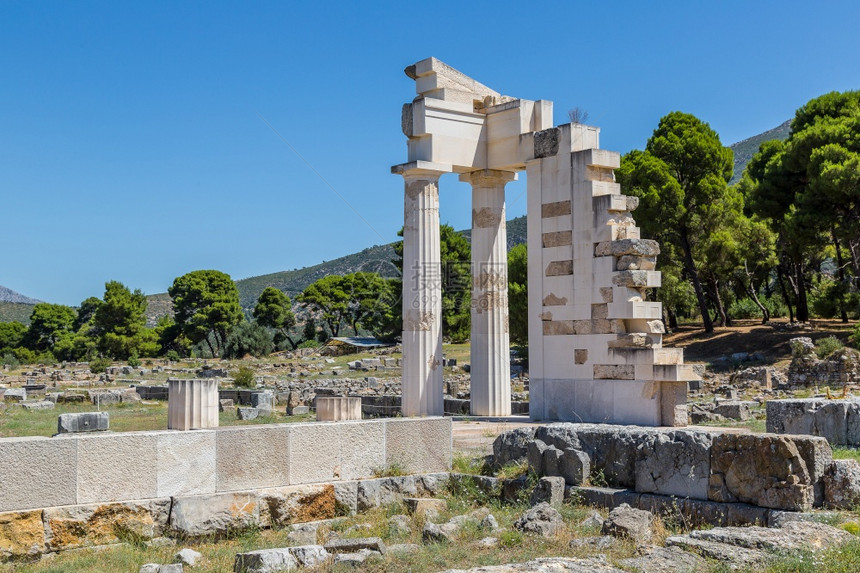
648	355
635	309
676	373
636	340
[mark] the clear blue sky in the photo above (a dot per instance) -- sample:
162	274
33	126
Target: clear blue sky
132	146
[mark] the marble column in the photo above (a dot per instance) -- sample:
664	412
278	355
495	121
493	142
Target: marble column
422	295
490	340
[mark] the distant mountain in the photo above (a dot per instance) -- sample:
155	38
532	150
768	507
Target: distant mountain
744	150
378	258
8	295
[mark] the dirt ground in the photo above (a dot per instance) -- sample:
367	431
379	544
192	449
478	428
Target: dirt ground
770	340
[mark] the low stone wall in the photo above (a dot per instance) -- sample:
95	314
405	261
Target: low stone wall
71	469
836	420
764	470
25	535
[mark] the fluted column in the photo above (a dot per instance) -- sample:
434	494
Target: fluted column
422	295
490	340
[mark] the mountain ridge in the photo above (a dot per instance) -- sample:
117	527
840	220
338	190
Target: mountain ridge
9	295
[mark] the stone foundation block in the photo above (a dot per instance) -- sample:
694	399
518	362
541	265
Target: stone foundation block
419	445
117	467
218	514
38	472
674	463
77	526
22	535
186	463
253	457
762	469
299	504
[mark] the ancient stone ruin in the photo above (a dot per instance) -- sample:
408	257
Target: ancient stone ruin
595	351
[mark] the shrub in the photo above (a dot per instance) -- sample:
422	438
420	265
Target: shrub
827	346
172	355
134	360
309	344
744	308
854	339
244	377
99	365
10	360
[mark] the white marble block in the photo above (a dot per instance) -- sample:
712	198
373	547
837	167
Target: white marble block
192	404
338	408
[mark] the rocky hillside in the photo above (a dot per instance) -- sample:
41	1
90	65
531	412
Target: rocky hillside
8	295
744	150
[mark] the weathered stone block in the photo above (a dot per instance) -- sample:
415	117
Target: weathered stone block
637	247
512	445
557	239
842	484
733	409
37	405
362	448
43	471
419	445
627	522
315	452
248	413
383	491
762	469
22	535
575	466
75	526
14	395
299	504
346	497
614	372
186	463
83	422
264	401
559	268
117	467
243	464
265	561
675	463
217	514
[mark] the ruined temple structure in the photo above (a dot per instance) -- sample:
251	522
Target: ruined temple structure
595	342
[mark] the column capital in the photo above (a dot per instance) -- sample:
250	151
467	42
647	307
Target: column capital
486	178
421	170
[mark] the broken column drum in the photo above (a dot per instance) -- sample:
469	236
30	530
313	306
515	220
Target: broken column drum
595	341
